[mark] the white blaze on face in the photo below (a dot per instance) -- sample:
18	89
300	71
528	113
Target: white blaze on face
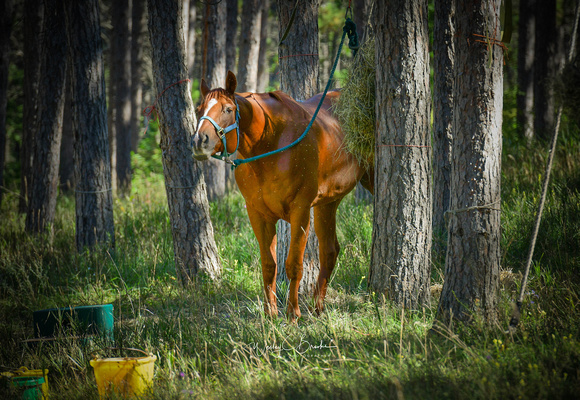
210	104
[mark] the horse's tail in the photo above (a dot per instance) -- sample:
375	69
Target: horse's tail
368	179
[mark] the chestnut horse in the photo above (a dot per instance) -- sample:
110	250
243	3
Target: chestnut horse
317	172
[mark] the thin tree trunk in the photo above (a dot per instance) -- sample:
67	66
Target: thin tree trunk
263	73
526	48
400	260
544	67
42	199
138	33
231	35
191	39
443	55
214	171
121	66
33	11
473	253
66	169
94	198
249	45
6	10
299	78
193	239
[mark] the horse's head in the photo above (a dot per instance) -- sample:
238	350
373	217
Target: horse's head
218	118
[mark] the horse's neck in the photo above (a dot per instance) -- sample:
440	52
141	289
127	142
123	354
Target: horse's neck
255	125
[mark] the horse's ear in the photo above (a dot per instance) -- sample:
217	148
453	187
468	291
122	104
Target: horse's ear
231	83
204	88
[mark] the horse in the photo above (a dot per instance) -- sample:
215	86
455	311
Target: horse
315	173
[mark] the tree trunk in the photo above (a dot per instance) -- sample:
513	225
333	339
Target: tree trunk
138	33
6	9
443	55
42	199
263	73
121	70
191	40
401	250
231	35
526	47
66	169
360	16
473	253
94	198
299	78
193	239
214	171
249	45
33	11
544	67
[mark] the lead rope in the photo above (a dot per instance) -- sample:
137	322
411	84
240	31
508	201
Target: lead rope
348	29
518	306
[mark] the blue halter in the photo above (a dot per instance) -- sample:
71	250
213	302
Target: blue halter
222	132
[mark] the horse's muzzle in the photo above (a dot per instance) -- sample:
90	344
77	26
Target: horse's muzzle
199	146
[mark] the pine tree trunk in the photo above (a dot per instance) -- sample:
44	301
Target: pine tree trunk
231	35
33	11
544	67
263	73
6	10
526	48
66	169
299	78
443	55
121	68
473	253
191	39
401	249
94	197
249	45
42	199
193	239
214	171
138	33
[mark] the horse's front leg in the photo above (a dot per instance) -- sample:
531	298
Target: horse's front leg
265	232
299	226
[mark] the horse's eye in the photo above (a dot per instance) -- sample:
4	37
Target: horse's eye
228	110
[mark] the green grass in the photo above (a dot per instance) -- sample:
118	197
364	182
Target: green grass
213	341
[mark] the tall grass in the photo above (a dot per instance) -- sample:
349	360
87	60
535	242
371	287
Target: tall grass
213	341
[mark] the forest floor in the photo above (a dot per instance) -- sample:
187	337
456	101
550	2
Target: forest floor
212	341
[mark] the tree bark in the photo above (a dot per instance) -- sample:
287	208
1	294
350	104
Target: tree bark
94	198
42	199
401	249
6	10
443	55
473	253
544	67
249	45
263	73
138	33
526	48
33	11
214	171
121	70
66	169
193	239
299	78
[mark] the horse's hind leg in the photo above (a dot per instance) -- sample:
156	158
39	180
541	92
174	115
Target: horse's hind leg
325	227
299	227
265	232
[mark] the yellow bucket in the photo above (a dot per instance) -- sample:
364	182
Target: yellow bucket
24	372
128	376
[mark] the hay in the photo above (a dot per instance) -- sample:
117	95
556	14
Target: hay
355	108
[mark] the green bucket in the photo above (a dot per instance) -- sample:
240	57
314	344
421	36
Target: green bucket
77	321
32	387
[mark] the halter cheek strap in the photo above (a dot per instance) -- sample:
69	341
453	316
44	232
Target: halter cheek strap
222	132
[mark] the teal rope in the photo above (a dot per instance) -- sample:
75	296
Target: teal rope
294	143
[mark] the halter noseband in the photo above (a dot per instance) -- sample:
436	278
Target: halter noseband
222	132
